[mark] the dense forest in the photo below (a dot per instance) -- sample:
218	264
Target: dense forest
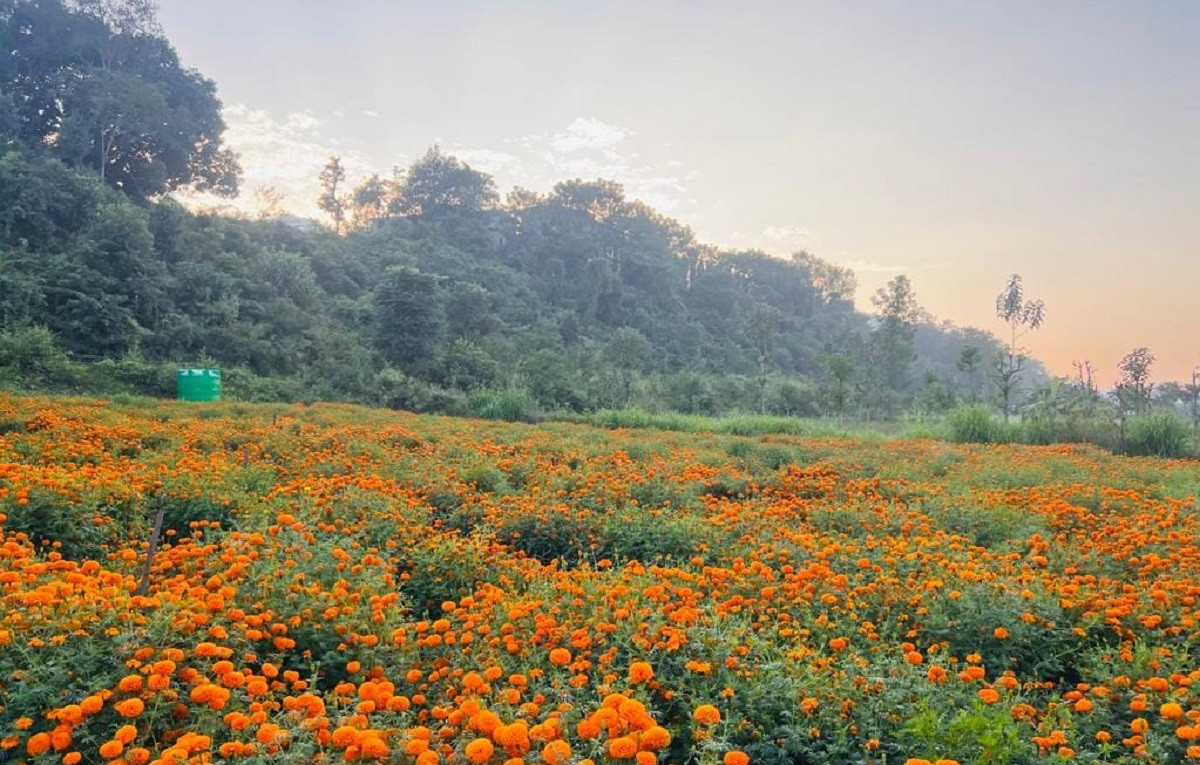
422	288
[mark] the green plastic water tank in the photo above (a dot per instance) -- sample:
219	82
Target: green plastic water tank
198	384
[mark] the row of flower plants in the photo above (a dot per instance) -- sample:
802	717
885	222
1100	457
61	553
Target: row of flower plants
338	584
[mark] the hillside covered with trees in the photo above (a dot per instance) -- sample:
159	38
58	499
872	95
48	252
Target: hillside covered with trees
423	288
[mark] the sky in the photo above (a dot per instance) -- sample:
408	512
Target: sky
955	142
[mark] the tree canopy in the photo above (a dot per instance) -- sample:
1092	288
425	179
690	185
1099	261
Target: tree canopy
95	84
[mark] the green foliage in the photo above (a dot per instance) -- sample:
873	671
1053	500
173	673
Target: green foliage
511	404
437	570
51	522
32	356
976	424
660	536
110	95
409	317
1161	434
620	535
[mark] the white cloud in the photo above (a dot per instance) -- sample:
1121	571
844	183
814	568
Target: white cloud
587	148
867	267
777	239
283	154
587	133
490	161
286	153
785	233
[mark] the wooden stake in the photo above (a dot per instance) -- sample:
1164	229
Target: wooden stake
144	586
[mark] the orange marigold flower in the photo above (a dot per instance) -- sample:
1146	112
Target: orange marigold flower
130	707
988	695
655	738
587	729
345	736
130	684
640	672
736	757
560	657
622	748
110	750
372	747
556	752
37	744
268	733
1171	711
707	714
479	751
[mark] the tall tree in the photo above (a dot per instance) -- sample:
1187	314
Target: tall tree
1022	316
409	318
371	199
1133	388
628	351
439	183
1193	398
96	83
839	375
762	327
969	360
331	200
893	338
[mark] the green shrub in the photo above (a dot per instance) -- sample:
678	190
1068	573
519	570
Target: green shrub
31	358
243	385
441	569
511	404
486	479
396	390
52	522
563	537
975	424
1161	434
180	511
634	534
128	376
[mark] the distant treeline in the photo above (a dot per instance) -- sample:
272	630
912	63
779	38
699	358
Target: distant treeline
581	298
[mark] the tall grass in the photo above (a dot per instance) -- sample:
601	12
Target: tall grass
1159	435
511	404
731	425
975	424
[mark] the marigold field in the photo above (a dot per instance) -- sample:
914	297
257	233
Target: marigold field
342	584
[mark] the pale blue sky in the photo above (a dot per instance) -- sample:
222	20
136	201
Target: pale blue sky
955	141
